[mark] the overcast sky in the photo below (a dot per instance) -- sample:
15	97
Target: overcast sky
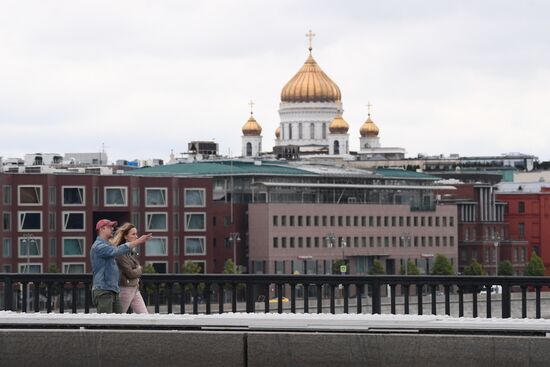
145	77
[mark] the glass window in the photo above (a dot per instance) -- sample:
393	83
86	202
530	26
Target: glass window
156	246
195	246
194	197
30	247
6	248
74	268
155	196
6	194
30	195
30	221
275	221
53	247
6	221
73	195
156	222
521	207
116	196
73	221
73	246
195	221
52	195
30	268
51	222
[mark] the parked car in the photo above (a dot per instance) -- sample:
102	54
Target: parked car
495	289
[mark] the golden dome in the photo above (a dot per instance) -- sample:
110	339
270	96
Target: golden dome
338	126
251	127
369	128
278	132
310	84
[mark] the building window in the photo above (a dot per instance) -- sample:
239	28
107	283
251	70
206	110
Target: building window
521	230
195	221
195	246
451	221
437	221
6	248
53	247
6	194
312	131
194	198
283	220
73	247
30	195
74	221
116	196
95	196
31	268
155	197
30	247
521	207
275	242
30	221
156	246
291	220
51	222
6	221
52	195
300	221
135	196
73	195
275	221
74	268
156	222
291	242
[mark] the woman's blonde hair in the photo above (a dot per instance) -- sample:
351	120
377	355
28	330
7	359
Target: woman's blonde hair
121	232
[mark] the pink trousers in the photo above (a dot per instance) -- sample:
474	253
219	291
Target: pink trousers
130	296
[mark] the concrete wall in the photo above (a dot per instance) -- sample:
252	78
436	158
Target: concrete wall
188	348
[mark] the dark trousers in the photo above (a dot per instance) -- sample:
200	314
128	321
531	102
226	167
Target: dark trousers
106	301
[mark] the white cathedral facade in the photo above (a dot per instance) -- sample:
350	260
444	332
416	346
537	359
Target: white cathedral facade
311	119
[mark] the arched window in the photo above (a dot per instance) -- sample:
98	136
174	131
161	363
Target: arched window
248	149
324	133
312	131
336	147
290	131
300	132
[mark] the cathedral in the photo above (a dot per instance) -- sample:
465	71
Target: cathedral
311	121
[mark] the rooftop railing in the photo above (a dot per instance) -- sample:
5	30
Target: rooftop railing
472	296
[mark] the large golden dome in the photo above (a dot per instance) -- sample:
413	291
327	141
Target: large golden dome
338	126
310	84
251	127
369	128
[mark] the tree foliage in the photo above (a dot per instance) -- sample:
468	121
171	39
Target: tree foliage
192	267
442	265
410	269
505	268
535	267
377	268
475	268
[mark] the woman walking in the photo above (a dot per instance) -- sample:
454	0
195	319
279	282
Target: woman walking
130	271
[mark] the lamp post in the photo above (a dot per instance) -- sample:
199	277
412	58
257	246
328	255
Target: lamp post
495	244
234	238
330	238
406	238
343	243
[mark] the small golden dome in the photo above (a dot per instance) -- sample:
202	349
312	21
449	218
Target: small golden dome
278	132
310	84
251	127
338	126
369	128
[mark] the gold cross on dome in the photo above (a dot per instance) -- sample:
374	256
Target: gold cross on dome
251	104
310	36
368	107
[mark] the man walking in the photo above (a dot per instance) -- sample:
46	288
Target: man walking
105	289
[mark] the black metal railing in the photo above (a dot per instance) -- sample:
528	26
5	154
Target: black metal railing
219	293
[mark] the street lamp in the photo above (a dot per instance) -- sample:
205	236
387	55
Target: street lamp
330	238
495	244
234	238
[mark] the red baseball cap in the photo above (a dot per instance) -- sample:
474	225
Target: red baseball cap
104	222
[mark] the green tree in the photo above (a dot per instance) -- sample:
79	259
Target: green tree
336	266
410	269
505	268
192	267
229	267
535	267
442	265
376	268
474	268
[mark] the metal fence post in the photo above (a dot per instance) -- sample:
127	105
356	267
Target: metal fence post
376	300
8	294
506	301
